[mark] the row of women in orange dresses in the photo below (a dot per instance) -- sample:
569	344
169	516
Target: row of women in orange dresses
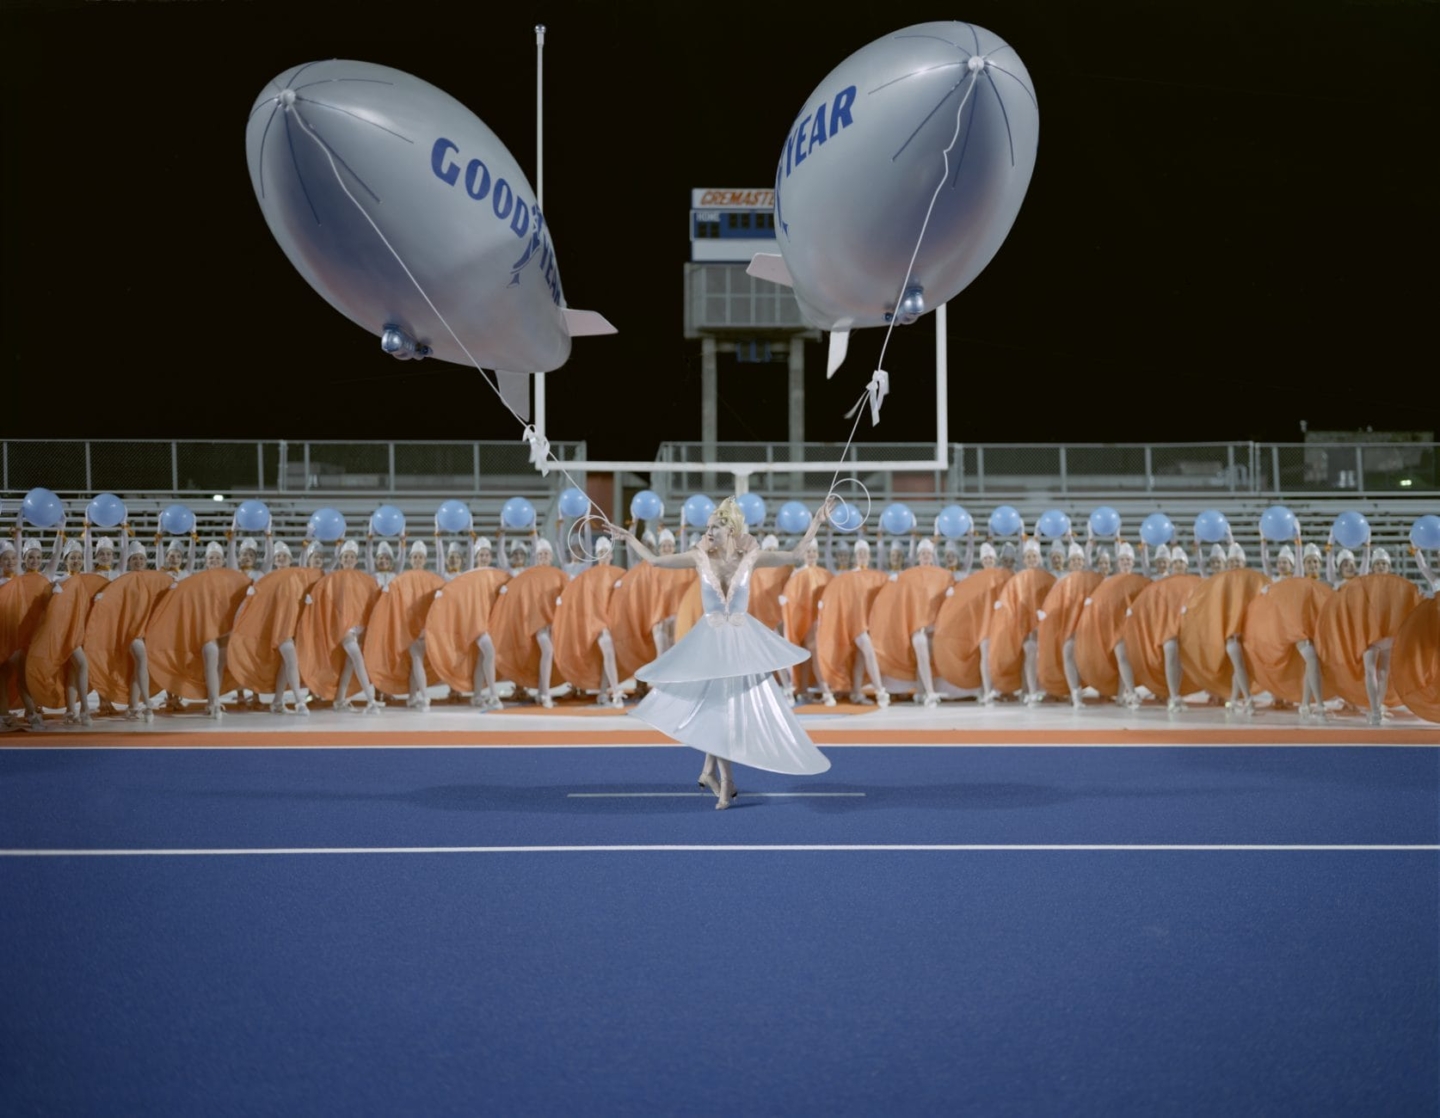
343	626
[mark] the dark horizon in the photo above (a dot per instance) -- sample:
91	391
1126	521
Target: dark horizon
1224	236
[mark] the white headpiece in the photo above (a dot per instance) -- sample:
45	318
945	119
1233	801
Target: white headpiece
350	546
542	544
249	543
1009	548
104	543
988	548
72	545
1074	550
1123	548
453	549
519	548
667	536
769	543
175	545
603	545
27	546
1217	552
137	548
1163	552
926	545
1235	552
482	543
419	548
1343	554
1032	545
1056	548
862	546
213	548
6	546
282	548
1311	549
1177	555
1286	553
384	548
1377	554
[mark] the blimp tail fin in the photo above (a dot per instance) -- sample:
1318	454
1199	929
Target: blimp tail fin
770	266
839	345
515	391
586	324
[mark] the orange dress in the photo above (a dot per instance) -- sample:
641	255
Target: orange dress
118	617
1214	613
1365	611
1101	627
675	584
1062	608
526	606
396	623
766	585
690	610
197	610
845	605
1284	614
1154	618
267	619
635	610
800	601
900	610
60	632
582	615
338	602
459	615
1415	661
1016	616
961	624
22	603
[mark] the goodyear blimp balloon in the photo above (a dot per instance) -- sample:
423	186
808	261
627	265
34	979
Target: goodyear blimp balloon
901	176
410	217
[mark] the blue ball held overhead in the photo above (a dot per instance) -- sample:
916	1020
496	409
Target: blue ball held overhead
326	525
42	508
453	516
1052	525
753	506
1105	523
387	521
697	510
106	511
847	517
1425	533
1278	524
953	522
1157	529
1005	521
573	502
252	516
646	505
793	518
177	520
897	519
517	513
1351	530
1211	526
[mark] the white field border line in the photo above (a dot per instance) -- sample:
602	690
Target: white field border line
966	848
688	795
1434	744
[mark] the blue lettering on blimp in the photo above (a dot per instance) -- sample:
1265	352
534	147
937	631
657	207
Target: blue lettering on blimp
817	127
505	205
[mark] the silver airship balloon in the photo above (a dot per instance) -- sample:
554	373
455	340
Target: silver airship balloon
901	177
410	217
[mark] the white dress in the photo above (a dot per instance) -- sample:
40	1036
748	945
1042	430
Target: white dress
714	691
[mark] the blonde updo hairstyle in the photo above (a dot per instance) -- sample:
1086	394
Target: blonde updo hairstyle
729	513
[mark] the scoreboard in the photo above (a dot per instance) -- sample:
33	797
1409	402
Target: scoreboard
731	226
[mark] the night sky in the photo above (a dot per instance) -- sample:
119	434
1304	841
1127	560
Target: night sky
1231	226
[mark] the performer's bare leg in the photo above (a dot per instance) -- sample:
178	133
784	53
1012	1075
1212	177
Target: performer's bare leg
920	642
547	664
77	674
139	683
1128	696
1174	676
1312	690
1240	679
987	693
483	693
15	669
355	661
727	783
214	672
610	676
707	775
1032	667
288	677
872	668
417	699
1072	673
1377	679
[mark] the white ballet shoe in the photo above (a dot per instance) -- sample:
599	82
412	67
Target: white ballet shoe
71	718
987	699
1374	717
545	701
418	702
707	780
214	710
726	795
373	706
37	721
829	699
617	699
859	699
277	706
85	719
882	698
1076	701
1175	705
132	714
931	700
342	704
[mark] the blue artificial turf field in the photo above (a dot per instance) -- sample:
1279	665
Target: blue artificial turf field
699	981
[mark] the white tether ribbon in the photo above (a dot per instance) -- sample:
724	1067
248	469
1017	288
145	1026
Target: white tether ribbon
539	449
875	393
